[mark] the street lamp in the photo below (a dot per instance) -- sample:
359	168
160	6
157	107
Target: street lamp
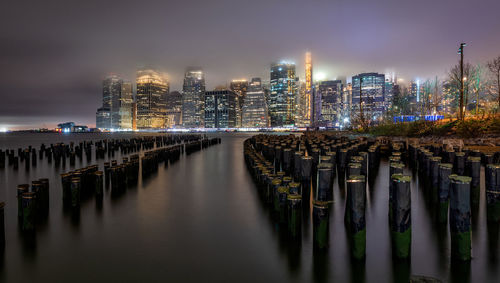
461	52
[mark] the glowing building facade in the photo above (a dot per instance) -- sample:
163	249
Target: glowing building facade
371	86
121	107
254	111
152	87
240	88
193	92
331	95
309	93
283	95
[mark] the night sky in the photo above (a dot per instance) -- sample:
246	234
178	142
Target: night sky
55	53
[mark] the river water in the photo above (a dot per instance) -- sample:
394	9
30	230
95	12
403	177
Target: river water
201	220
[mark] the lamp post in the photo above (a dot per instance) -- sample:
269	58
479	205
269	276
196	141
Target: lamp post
461	52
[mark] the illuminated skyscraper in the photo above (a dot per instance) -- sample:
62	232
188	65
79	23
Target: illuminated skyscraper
103	118
240	88
121	107
111	91
152	87
372	96
330	93
111	88
174	109
220	109
309	93
283	96
193	92
254	111
389	93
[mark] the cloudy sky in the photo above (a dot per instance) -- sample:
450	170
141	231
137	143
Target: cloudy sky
55	53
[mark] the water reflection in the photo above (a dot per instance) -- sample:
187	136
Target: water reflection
460	271
321	265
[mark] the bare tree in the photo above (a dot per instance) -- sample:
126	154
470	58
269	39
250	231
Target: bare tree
436	99
477	84
494	67
454	80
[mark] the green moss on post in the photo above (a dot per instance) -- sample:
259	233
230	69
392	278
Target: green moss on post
294	215
358	249
460	214
320	224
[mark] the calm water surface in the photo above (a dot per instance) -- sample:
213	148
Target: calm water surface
201	220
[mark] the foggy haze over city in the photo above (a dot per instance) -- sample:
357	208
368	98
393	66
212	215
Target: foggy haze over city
55	54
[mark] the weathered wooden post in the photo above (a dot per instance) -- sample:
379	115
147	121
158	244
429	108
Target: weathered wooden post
294	215
460	223
320	224
357	196
445	173
401	224
492	182
324	188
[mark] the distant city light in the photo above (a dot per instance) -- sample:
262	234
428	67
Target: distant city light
319	76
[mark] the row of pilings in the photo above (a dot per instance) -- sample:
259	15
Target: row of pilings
290	170
61	153
89	182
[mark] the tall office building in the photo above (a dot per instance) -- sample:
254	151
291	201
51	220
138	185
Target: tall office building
121	107
415	91
389	93
372	86
220	109
309	93
111	91
174	109
134	116
282	98
152	87
254	111
193	92
111	88
103	118
240	88
330	93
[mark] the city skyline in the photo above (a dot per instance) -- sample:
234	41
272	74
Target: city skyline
60	62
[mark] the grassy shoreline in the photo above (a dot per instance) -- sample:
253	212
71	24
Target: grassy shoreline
469	128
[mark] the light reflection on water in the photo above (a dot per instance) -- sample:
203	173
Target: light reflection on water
201	220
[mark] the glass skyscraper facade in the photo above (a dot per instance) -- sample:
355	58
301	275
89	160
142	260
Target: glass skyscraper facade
240	88
121	109
330	93
193	91
309	117
152	87
220	109
283	96
111	92
372	89
254	111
